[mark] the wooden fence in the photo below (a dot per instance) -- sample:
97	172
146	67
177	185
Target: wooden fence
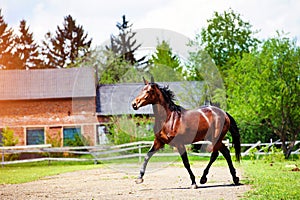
102	153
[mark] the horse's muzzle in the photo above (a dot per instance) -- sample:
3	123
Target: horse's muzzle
134	105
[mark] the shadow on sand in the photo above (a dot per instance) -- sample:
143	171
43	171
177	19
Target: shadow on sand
204	186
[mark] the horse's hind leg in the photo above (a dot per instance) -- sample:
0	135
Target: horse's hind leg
226	153
181	149
213	157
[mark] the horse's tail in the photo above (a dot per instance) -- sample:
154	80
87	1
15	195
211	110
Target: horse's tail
234	130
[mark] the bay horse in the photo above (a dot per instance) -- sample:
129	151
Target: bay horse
177	127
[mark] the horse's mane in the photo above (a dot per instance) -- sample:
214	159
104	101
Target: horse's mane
169	97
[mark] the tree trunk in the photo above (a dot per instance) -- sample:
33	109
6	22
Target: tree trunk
287	149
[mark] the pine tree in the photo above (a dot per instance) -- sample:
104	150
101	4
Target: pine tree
164	65
124	45
119	56
67	47
27	49
7	59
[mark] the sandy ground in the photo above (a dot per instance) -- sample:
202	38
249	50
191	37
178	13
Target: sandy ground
118	182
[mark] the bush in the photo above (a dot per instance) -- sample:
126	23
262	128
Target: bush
9	139
54	140
77	141
130	129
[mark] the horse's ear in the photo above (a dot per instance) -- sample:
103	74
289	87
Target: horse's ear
145	81
152	79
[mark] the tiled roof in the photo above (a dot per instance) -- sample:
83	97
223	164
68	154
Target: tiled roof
47	83
116	99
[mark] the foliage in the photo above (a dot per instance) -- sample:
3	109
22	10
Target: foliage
54	140
119	58
124	45
77	141
264	89
8	137
28	172
164	65
130	129
274	154
26	49
202	68
272	181
67	46
227	36
7	42
113	69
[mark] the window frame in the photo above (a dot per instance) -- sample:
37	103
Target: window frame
69	127
43	140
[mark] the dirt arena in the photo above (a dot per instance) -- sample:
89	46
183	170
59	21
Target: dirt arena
162	181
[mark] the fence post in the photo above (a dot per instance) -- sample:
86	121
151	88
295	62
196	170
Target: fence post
2	158
140	153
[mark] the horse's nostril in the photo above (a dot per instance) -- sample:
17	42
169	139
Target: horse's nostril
134	106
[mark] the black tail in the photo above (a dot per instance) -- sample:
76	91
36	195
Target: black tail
234	130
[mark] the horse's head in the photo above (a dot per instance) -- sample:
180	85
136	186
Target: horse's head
148	95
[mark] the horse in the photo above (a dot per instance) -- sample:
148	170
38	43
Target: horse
178	127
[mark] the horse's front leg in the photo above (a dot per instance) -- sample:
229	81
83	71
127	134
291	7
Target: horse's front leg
155	147
185	160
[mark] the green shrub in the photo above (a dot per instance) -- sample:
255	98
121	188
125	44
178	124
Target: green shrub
130	129
8	137
54	140
77	141
274	154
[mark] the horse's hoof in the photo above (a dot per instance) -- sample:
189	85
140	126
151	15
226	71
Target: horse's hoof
203	180
139	181
194	186
236	180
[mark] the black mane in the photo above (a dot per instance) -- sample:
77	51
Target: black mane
169	97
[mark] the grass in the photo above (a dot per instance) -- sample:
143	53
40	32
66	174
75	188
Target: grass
274	180
21	173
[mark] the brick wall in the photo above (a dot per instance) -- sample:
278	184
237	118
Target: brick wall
51	114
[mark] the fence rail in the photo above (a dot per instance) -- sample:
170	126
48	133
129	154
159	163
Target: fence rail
129	150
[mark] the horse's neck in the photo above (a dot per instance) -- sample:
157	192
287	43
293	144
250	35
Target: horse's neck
161	114
161	111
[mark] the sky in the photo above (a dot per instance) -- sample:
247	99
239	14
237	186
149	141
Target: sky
186	17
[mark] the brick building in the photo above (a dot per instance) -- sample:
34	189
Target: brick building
49	104
41	106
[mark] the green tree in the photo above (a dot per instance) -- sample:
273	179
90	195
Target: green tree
201	67
26	49
263	90
227	36
67	47
112	69
124	45
8	138
164	65
119	56
7	42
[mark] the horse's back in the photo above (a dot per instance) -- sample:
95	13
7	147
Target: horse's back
205	121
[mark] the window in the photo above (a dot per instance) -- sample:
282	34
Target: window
71	135
35	136
102	134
